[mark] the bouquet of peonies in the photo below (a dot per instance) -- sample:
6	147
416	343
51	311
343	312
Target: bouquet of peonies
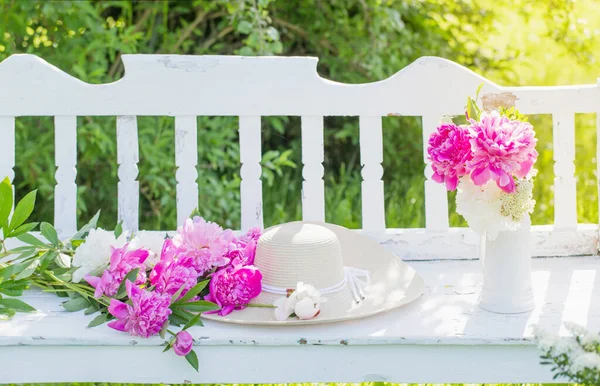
575	358
139	283
489	161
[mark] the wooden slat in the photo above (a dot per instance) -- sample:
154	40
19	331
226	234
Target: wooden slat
371	157
65	191
251	185
565	188
186	159
7	148
436	196
127	158
313	186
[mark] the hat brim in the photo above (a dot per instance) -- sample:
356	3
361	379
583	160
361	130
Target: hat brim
393	283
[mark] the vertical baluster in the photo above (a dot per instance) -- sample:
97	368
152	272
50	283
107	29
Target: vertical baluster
598	160
186	159
371	157
127	158
313	187
7	148
436	196
65	191
565	191
251	185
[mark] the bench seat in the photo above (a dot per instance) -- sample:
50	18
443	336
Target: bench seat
442	337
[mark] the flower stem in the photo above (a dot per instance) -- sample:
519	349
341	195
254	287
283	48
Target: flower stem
261	305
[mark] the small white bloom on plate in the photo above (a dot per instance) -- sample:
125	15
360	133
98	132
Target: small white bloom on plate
283	308
95	252
304	302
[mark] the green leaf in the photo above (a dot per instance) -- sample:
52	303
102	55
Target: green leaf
131	276
195	290
49	232
90	310
193	322
14	287
176	294
6	313
195	213
46	259
63	260
32	240
118	229
6	201
23	210
22	229
244	27
192	359
167	348
198	306
76	304
16	305
98	320
164	329
29	270
87	227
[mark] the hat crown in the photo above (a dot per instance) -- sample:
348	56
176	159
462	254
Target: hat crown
289	253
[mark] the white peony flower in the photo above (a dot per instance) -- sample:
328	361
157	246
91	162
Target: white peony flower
95	252
304	301
153	242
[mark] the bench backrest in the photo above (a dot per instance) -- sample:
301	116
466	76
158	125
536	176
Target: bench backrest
252	87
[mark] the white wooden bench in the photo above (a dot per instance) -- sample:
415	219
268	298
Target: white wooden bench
443	337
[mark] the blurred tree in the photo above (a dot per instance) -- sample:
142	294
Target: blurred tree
356	41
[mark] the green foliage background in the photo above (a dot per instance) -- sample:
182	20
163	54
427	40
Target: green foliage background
523	42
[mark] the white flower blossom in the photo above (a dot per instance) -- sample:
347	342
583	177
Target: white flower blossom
589	360
304	301
488	209
95	252
152	242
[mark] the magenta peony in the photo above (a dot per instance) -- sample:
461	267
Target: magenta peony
183	343
233	287
502	148
449	152
122	261
145	316
171	273
206	242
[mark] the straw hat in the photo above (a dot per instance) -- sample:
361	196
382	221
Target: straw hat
356	276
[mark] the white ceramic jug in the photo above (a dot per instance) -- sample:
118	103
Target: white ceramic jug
507	286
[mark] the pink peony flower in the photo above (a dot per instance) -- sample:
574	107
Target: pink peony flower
122	261
233	288
171	273
206	242
449	152
252	235
242	254
502	148
145	316
183	343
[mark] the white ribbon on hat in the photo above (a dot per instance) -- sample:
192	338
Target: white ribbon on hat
357	279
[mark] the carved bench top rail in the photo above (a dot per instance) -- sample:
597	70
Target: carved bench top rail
251	87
